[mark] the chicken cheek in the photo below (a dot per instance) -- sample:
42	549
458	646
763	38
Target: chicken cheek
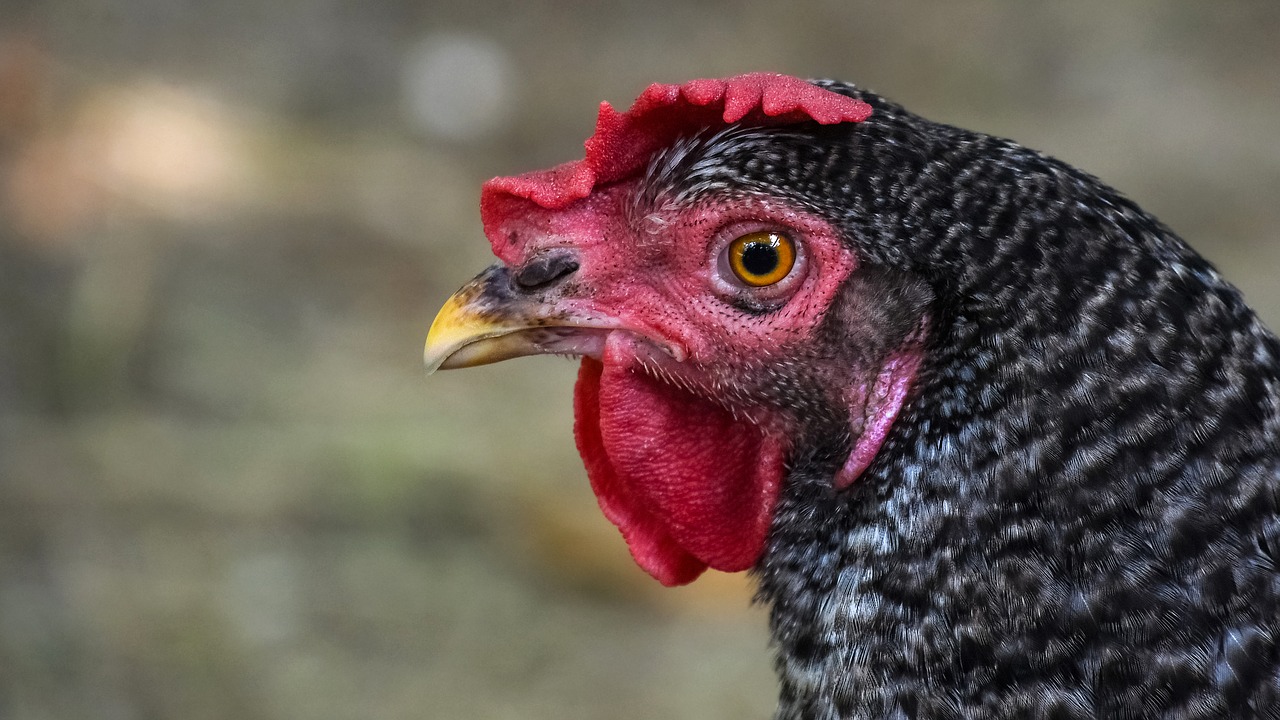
688	486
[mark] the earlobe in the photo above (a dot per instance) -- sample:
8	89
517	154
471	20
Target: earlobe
879	409
867	340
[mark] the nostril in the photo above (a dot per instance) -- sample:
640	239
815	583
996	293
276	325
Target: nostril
546	270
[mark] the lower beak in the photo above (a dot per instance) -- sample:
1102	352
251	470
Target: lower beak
487	321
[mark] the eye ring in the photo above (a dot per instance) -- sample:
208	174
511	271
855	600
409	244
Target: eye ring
763	258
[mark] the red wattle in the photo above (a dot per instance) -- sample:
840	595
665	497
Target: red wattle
689	486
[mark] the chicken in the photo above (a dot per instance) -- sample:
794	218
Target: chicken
995	442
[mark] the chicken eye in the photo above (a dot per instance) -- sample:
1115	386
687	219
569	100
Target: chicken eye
762	258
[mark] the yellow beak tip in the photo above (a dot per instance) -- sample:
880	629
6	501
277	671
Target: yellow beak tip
455	327
464	335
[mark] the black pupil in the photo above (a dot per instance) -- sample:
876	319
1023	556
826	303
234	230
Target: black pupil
759	258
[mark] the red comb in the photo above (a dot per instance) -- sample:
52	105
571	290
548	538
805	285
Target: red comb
624	142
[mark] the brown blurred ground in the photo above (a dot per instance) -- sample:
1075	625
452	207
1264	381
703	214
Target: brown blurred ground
226	490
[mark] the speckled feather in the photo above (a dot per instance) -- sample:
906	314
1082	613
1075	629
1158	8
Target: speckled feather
1074	512
1077	515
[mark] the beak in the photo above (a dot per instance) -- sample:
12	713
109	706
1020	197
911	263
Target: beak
488	320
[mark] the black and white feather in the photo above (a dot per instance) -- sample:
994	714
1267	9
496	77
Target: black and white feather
1077	515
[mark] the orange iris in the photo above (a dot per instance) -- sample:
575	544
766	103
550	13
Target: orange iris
762	258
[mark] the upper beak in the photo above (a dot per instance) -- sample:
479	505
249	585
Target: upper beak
487	320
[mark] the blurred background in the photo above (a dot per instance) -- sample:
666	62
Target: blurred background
226	488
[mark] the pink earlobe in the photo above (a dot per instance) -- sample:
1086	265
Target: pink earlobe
877	413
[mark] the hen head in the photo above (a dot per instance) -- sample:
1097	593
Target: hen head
725	321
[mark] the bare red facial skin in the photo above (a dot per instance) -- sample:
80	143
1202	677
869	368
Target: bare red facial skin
682	441
687	456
